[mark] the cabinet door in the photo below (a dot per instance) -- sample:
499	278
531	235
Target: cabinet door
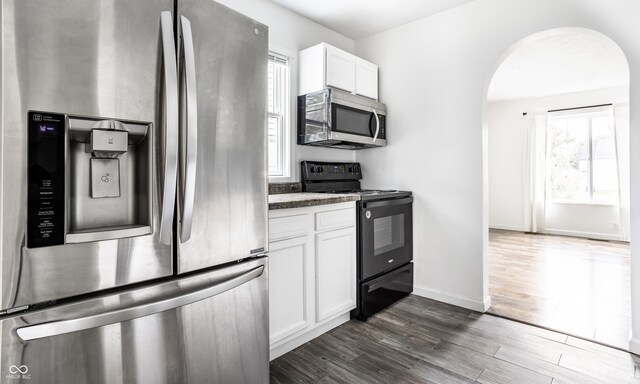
290	287
341	68
366	79
335	272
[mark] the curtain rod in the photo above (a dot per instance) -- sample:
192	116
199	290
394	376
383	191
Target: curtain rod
588	106
571	109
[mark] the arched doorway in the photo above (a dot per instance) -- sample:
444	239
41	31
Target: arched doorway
558	177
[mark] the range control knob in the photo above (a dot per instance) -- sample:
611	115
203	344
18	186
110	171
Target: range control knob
312	169
319	169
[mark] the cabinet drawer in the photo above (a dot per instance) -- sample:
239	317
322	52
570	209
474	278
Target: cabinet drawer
289	226
341	218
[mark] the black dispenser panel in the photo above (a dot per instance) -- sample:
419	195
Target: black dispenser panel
46	175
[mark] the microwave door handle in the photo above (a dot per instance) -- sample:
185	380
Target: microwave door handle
191	130
170	160
375	136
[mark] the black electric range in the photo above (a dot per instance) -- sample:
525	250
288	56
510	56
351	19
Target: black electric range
385	233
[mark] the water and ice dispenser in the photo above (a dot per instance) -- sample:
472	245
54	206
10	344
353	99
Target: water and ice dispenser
90	179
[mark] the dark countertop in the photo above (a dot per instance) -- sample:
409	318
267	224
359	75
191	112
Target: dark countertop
307	199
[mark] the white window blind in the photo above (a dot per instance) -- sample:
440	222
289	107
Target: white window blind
277	115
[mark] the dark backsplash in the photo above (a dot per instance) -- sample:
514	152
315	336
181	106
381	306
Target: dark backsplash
280	188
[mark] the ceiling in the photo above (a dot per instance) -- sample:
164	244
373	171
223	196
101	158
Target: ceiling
360	18
560	63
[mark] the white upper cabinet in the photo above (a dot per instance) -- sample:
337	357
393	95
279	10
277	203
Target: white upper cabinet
366	79
341	69
324	66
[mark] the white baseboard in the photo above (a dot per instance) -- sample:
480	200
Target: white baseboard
516	228
280	348
634	345
590	235
561	232
474	305
487	303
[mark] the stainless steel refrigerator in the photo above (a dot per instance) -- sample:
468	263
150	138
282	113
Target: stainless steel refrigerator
133	193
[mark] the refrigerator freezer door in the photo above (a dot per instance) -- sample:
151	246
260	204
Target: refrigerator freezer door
207	328
229	220
85	58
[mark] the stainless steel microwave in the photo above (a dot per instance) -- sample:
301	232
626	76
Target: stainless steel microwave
333	118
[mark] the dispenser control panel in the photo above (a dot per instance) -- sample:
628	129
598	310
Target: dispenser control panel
46	178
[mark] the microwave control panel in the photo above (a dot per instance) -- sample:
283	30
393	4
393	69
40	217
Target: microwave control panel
46	179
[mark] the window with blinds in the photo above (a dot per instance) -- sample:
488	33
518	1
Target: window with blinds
277	115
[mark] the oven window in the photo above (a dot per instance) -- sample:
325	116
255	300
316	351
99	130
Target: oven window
388	233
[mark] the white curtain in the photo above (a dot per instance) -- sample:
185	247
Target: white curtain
621	123
534	172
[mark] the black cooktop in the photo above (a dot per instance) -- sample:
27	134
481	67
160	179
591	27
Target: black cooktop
325	177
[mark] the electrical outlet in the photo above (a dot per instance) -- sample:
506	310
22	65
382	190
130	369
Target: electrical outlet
616	226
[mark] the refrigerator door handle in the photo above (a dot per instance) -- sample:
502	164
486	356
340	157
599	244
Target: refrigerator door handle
171	127
190	147
55	328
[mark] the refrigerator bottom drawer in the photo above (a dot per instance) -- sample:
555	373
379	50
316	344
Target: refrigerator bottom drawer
207	328
377	294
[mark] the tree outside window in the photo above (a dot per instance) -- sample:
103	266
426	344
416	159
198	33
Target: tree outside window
581	157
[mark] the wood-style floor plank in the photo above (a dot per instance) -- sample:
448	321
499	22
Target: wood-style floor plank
418	340
497	375
578	286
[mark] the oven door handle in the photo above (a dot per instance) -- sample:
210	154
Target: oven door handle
387	203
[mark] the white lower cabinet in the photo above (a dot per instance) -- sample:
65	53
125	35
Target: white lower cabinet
336	272
312	272
290	287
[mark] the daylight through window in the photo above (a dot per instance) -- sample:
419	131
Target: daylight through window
277	118
581	156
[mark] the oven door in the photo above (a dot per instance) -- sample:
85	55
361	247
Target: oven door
386	235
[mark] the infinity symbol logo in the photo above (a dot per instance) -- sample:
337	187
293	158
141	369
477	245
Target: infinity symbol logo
15	369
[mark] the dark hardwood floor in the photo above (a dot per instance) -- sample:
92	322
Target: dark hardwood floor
418	340
576	286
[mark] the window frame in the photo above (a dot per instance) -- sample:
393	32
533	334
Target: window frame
591	112
287	151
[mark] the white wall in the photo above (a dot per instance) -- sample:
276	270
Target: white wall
594	221
434	80
507	152
288	34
